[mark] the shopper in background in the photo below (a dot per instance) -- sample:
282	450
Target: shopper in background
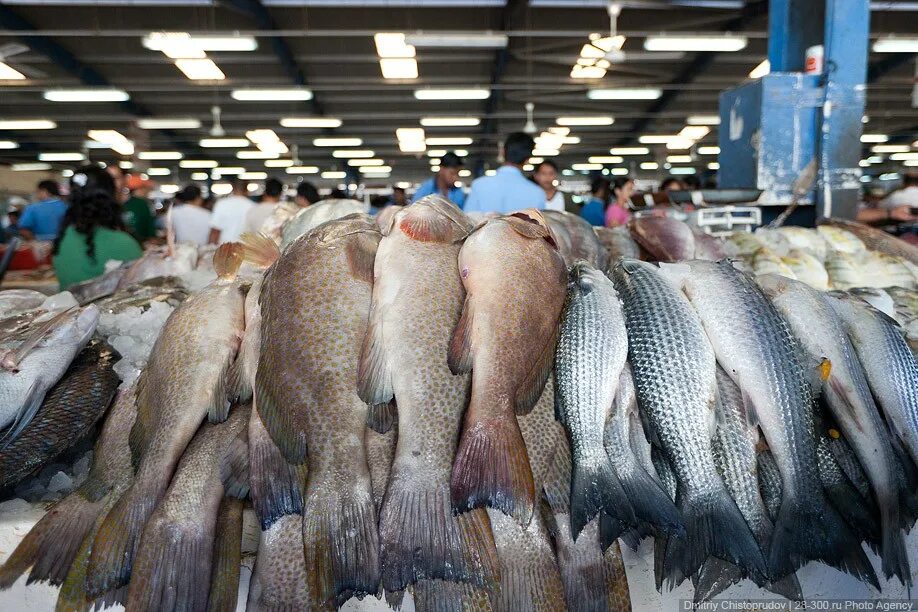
691	182
306	194
42	220
594	210
190	220
138	217
93	230
445	181
895	208
617	212
228	219
546	177
258	214
11	229
671	183
400	197
508	190
120	177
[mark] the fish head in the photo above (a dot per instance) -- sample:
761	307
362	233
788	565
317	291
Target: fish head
582	278
431	219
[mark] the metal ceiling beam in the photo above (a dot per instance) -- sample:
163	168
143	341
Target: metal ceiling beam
888	64
258	13
702	61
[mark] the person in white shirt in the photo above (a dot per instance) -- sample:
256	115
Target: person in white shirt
546	177
228	219
897	207
258	214
190	220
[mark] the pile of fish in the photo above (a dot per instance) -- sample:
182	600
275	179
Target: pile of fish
477	414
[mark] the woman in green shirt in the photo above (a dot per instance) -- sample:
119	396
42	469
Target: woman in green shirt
92	232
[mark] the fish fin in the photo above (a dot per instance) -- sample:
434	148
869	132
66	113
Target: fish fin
52	544
277	421
30	406
610	529
811	529
227	556
713	578
227	259
172	566
531	224
116	542
532	386
361	257
459	358
12	360
447	596
787	587
585	570
341	543
650	502
259	249
491	468
382	417
374	376
420	537
892	549
276	486
220	402
234	467
431	227
713	526
660	544
595	487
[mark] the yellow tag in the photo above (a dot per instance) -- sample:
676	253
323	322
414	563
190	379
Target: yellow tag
825	368
833	433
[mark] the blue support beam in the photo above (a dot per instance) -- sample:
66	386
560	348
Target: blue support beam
793	26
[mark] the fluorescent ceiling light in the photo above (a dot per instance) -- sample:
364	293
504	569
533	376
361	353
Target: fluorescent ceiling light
694	132
169	188
278	163
713	166
27	124
221	189
200	69
229	169
560	131
703	120
587	72
199	176
586	166
183	41
473	40
310	122
8	144
436	153
761	70
271	95
337	142
679	159
61	157
262	136
410	140
585	120
399	68
629	151
904	156
618	171
223	143
708	150
86	95
650	166
656	138
374	169
66	172
159	155
114	140
570	140
450	121
257	155
869	138
253	176
891	149
448	141
29	167
695	43
273	148
352	153
158	171
365	162
679	171
606	159
452	94
537	152
680	143
125	165
334	174
303	170
392	44
198	163
177	123
8	73
625	93
893	44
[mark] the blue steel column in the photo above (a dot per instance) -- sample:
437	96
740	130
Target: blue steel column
846	40
793	25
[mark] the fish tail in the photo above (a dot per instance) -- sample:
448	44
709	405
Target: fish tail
421	537
116	542
259	249
650	502
172	567
811	529
585	569
491	469
714	577
227	556
448	596
276	485
228	258
595	487
713	526
341	544
52	544
279	579
895	559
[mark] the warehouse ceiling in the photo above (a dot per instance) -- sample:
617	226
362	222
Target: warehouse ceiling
327	48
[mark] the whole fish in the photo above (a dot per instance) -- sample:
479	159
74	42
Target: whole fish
170	260
14	301
664	238
417	301
52	544
892	271
876	239
841	240
805	239
807	268
162	289
69	411
756	347
766	261
314	303
618	243
592	346
515	284
184	381
663	331
99	287
844	270
582	242
385	216
742	244
890	367
821	333
316	214
37	363
905	305
172	568
707	246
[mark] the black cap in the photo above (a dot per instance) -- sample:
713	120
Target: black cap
451	160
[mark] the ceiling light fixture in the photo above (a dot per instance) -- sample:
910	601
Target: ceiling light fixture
894	44
450	121
158	171
223	143
310	122
629	151
352	153
452	94
656	138
399	68
8	144
761	70
278	163
30	167
694	132
374	169
587	72
679	159
724	43
360	162
86	95
585	120
392	44
159	155
891	148
27	124
708	150
650	166
448	141
302	170
703	120
681	171
288	94
168	41
164	123
337	142
605	159
468	40
625	93
61	157
249	154
197	163
411	140
334	174
8	73
200	69
871	138
585	167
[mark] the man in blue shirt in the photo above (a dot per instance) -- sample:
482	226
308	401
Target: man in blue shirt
594	210
508	190
42	220
445	181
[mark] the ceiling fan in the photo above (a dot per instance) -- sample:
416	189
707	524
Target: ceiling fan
8	50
